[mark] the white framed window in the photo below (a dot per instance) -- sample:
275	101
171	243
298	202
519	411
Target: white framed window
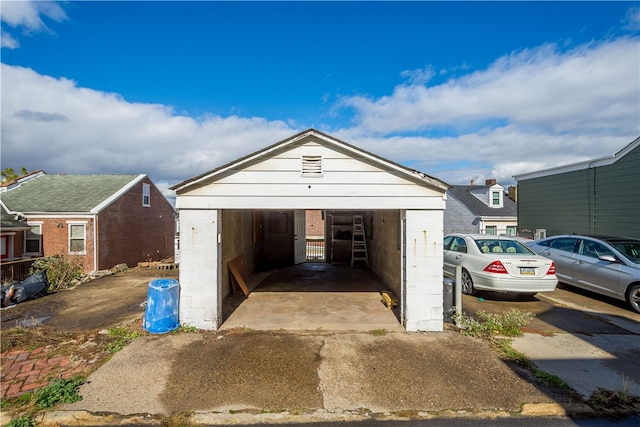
491	229
146	195
33	239
511	230
77	238
495	198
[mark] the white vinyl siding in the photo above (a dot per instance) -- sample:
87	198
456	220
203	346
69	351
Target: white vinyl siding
345	183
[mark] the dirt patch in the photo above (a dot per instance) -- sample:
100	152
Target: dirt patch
91	306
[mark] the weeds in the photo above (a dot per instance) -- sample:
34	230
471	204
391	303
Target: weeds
488	325
32	338
59	391
123	336
185	329
602	399
23	421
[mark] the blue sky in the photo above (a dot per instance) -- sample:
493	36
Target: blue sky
458	90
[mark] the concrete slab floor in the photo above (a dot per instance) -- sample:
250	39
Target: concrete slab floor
314	296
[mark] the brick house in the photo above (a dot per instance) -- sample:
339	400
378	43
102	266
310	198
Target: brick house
104	220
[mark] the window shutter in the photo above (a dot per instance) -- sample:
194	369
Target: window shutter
311	166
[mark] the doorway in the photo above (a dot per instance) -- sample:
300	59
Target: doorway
314	236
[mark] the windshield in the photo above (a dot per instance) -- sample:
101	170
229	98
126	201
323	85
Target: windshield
630	250
502	246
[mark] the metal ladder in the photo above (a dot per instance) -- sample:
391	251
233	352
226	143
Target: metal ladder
358	241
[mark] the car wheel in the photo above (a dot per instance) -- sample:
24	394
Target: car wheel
467	283
633	297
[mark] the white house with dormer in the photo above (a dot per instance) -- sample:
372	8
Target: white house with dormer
483	209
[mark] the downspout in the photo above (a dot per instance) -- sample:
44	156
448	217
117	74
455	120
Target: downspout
403	265
95	242
591	197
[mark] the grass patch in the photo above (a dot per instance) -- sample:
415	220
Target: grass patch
378	332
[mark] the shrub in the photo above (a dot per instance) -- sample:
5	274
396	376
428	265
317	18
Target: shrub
62	271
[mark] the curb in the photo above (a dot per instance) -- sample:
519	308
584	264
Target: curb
85	418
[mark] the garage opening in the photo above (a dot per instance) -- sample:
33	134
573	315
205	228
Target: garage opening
349	259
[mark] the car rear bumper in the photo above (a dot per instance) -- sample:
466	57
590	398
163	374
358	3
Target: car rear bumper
511	284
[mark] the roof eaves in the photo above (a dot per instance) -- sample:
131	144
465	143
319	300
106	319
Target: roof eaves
9	185
313	132
572	167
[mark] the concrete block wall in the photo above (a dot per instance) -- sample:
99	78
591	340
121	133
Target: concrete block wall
384	253
200	295
422	270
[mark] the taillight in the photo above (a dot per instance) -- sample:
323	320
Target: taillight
552	269
496	267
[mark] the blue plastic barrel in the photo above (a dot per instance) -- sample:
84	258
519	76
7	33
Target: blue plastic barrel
161	314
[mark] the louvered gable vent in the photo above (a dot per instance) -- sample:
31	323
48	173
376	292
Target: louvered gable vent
312	166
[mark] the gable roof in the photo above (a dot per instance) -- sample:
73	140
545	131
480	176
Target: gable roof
477	207
601	161
67	193
411	174
7	185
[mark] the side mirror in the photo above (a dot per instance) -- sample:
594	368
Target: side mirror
608	258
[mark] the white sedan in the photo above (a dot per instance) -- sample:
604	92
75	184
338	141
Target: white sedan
497	263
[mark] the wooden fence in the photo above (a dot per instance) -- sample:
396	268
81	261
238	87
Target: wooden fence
16	271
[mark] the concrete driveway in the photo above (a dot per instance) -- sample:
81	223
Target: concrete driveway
587	340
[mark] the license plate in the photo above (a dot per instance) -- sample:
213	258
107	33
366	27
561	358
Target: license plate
529	271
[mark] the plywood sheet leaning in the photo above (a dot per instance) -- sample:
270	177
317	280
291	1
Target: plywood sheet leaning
238	268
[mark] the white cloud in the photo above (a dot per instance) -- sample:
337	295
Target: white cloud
27	16
591	87
68	129
529	110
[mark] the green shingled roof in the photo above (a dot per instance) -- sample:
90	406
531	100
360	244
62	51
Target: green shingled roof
64	193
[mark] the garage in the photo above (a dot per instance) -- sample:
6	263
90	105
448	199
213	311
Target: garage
249	216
